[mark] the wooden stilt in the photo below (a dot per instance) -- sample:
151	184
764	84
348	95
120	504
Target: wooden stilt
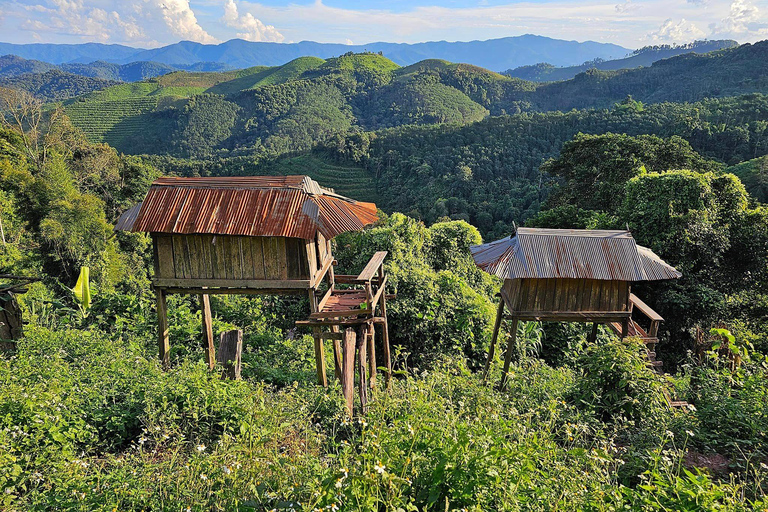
210	350
492	348
593	334
337	365
385	334
508	357
624	328
370	335
164	343
230	354
361	364
322	378
348	371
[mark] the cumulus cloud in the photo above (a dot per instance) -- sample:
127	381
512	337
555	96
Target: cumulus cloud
744	19
137	21
682	31
181	20
252	28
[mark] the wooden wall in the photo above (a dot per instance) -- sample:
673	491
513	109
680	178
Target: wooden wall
233	257
564	295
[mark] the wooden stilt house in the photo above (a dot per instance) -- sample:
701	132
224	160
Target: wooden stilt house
570	275
247	235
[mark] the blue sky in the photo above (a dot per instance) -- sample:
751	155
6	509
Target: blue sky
152	23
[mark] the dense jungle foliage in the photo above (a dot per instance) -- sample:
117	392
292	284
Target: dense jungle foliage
89	420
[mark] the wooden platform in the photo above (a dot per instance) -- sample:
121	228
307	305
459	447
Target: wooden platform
352	315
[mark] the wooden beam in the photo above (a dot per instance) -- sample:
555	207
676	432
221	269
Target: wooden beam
254	284
370	335
340	321
385	329
492	348
348	369
508	357
568	316
232	291
644	308
361	363
164	344
342	314
320	274
322	378
372	267
230	354
593	335
210	350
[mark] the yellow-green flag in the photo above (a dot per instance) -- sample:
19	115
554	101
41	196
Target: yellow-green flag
82	289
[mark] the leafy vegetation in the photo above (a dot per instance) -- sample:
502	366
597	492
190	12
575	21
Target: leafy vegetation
89	420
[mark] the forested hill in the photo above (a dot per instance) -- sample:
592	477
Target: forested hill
272	110
545	72
55	85
13	66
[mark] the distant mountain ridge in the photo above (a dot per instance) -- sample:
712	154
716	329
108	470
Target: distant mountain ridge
12	66
494	54
546	72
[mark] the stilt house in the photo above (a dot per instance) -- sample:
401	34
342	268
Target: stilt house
250	235
571	275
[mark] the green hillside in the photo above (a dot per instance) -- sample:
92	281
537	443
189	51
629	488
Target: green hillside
55	85
308	100
754	174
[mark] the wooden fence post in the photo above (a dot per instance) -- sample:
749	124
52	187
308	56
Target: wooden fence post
230	353
362	343
348	371
210	350
163	341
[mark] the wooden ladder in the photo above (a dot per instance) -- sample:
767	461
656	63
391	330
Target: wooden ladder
650	339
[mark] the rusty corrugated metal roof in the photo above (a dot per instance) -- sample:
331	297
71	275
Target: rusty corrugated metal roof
571	254
286	206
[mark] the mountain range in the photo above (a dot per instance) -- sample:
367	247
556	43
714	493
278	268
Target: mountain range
545	72
495	54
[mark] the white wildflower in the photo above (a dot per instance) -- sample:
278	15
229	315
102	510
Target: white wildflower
200	448
380	468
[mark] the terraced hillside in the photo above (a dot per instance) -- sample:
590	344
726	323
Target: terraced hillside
347	180
111	121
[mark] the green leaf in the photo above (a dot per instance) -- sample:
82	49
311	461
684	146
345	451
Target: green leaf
82	289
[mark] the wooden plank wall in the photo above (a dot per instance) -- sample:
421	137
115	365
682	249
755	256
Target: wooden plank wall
564	295
232	257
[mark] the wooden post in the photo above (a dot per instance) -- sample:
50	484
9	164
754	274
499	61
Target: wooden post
385	332
348	371
492	348
163	340
322	378
337	351
593	334
230	354
508	357
624	328
370	334
361	363
210	350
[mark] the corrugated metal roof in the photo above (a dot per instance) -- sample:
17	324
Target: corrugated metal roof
287	206
127	219
571	254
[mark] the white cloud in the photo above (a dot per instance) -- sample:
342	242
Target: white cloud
115	20
743	19
682	31
181	20
252	28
